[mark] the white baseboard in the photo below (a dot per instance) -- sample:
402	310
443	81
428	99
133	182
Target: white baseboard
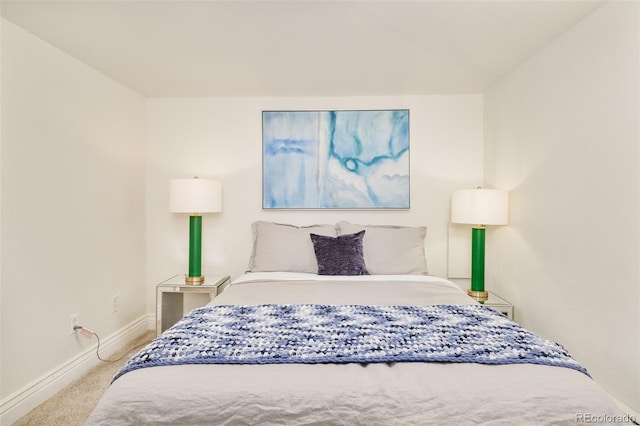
633	414
19	403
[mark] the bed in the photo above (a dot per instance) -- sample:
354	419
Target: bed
287	344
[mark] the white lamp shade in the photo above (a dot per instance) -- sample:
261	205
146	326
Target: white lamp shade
480	207
195	196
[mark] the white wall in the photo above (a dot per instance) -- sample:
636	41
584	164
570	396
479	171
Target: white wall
72	206
562	133
222	138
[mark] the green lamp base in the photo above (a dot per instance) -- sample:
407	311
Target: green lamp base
195	277
477	291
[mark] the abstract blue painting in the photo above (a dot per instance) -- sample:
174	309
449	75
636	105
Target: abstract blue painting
335	159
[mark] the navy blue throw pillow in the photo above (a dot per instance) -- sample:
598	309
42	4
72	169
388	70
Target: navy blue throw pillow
342	255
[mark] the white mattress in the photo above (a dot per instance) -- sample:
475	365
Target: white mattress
350	394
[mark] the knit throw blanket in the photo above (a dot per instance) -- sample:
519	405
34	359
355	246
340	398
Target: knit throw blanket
270	334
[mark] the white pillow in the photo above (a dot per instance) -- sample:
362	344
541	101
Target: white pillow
391	250
287	248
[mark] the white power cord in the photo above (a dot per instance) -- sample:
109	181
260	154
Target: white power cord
89	334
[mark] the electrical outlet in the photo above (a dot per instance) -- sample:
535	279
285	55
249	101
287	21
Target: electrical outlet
74	319
115	304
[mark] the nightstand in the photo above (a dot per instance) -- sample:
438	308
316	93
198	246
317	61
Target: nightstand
171	303
500	305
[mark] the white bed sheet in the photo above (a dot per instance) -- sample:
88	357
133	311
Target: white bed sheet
350	394
294	288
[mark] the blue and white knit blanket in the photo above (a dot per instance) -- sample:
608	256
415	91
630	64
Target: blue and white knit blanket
269	334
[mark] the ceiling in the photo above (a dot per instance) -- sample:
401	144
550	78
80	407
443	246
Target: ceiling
300	48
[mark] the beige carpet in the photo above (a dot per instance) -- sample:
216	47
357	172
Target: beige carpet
73	404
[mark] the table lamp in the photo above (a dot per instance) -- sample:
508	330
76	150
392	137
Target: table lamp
195	196
479	207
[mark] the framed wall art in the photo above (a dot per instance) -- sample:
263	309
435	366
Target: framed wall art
335	159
